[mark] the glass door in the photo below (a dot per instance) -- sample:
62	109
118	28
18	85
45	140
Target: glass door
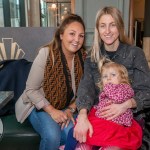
2	14
53	11
12	13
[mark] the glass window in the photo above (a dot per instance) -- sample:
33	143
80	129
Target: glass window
17	13
14	13
2	15
10	13
53	11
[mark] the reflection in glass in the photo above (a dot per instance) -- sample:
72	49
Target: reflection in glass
2	14
14	13
53	11
10	13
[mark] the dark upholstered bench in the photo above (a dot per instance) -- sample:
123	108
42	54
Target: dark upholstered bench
18	136
18	43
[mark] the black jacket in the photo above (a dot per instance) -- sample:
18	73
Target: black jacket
134	60
13	76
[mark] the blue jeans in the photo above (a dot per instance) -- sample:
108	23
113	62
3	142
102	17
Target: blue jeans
50	132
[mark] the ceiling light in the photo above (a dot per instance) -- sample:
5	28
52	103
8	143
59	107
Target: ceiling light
54	6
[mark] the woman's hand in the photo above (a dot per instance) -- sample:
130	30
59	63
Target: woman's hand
114	110
57	115
69	116
82	127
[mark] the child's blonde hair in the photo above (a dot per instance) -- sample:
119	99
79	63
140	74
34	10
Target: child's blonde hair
105	63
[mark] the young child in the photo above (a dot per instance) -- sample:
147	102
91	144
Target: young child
109	131
115	89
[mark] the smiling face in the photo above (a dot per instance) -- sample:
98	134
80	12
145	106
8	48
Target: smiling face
108	32
72	38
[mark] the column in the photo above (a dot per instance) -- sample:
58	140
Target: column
146	38
22	13
73	6
35	13
131	22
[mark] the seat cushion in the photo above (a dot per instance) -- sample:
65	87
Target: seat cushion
18	136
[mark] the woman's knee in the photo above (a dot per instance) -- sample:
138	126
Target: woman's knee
45	126
52	135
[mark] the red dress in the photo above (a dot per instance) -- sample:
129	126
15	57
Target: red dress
114	133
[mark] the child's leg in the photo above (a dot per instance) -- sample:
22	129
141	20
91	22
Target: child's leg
62	147
110	148
83	146
71	141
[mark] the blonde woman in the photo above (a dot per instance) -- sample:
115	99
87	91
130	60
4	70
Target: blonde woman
110	41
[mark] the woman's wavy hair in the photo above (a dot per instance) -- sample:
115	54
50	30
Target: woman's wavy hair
55	44
116	15
105	63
